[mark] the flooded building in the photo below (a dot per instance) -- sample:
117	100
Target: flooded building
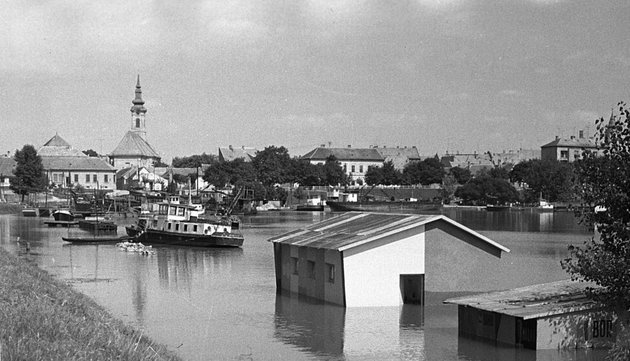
378	259
544	316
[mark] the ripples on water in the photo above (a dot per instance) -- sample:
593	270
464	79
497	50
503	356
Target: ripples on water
221	304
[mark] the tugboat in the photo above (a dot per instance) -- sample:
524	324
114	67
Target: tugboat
180	225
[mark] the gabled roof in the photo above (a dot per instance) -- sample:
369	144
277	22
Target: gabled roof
399	156
7	165
76	163
58	147
542	300
228	154
353	229
571	143
344	154
134	145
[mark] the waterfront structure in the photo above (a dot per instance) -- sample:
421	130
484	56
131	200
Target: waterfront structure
544	316
230	153
134	149
133	177
354	161
399	156
66	166
568	150
362	259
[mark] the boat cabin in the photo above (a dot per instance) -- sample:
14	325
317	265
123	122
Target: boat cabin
182	218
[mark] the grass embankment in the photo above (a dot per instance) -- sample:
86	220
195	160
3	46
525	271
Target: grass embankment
42	318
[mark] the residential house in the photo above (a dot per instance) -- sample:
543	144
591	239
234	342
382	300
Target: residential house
229	153
474	162
354	161
568	150
66	166
7	165
399	156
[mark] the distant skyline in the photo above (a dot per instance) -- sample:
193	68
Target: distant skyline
441	75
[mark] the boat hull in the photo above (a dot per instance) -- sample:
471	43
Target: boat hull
386	206
310	208
96	239
217	239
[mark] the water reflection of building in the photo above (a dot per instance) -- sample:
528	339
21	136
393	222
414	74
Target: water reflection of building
5	230
332	331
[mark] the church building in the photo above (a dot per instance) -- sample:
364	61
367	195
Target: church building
133	149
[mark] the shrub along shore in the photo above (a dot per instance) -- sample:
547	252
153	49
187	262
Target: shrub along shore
43	318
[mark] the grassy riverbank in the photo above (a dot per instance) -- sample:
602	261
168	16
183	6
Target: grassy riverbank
42	318
10	208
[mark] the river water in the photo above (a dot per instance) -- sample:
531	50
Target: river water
221	304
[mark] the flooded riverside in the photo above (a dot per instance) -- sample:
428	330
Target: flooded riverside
221	304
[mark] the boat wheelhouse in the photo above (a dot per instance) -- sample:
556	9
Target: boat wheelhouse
179	224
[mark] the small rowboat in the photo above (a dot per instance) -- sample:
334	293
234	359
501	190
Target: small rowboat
97	239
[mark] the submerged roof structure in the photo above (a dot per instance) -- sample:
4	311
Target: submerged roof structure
353	229
536	301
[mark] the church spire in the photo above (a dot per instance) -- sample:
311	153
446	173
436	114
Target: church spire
138	112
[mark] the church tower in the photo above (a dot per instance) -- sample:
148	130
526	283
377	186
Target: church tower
137	113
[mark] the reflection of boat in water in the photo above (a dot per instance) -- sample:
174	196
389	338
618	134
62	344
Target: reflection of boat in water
384	206
545	206
314	203
177	224
97	239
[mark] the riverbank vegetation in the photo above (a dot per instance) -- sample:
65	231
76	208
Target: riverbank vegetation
44	319
602	180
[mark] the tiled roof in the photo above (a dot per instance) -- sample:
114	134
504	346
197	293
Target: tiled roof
399	156
76	163
58	147
356	228
345	154
7	165
228	154
534	301
133	144
57	141
571	143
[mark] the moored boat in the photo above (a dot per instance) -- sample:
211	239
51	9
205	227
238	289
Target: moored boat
313	204
97	239
63	215
176	224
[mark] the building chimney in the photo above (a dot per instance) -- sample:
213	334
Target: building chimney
349	146
557	137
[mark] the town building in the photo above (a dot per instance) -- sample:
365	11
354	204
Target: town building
399	156
362	259
66	166
568	150
134	149
514	156
354	161
7	165
474	162
545	316
230	153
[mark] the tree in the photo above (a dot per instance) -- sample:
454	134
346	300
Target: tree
272	165
385	175
551	179
461	175
487	190
333	172
29	174
236	172
426	172
90	153
603	184
194	161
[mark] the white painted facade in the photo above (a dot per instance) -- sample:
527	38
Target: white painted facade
380	267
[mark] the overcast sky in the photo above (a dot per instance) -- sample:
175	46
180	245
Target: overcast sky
456	75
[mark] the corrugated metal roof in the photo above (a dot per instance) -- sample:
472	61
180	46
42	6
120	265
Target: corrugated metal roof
344	154
133	144
76	163
541	300
352	229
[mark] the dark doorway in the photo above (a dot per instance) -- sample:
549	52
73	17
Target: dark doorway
412	289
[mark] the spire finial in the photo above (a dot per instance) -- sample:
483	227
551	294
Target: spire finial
138	82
